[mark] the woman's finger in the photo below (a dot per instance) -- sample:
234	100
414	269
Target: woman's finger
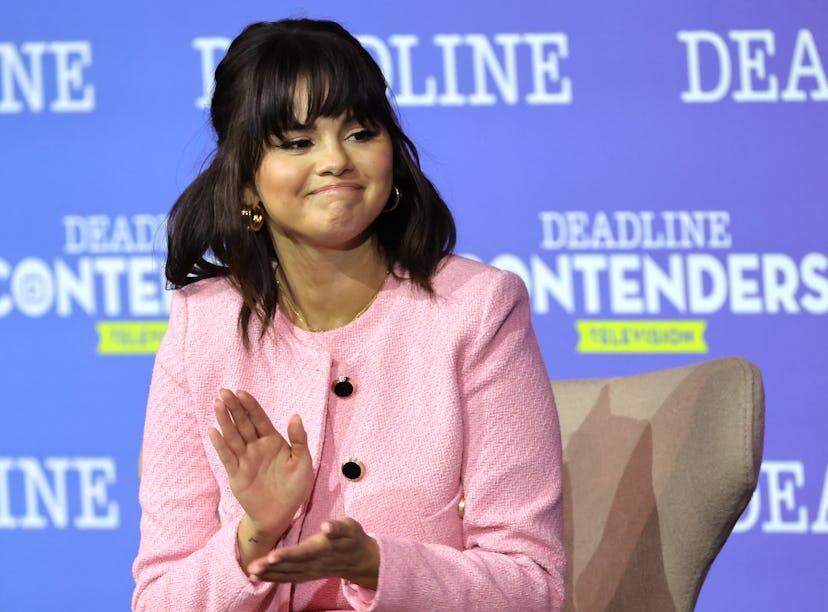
228	428
240	416
314	568
300	571
298	438
297	575
343	528
312	548
227	456
258	417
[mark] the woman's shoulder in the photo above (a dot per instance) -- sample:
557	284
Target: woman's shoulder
202	322
469	294
458	276
470	302
208	288
209	300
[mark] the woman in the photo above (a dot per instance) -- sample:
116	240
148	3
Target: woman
421	464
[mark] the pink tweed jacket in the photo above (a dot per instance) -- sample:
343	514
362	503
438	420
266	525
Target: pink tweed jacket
452	399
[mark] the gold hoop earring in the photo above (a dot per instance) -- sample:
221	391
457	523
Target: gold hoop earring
252	218
397	197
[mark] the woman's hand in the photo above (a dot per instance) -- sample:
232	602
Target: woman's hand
270	476
341	549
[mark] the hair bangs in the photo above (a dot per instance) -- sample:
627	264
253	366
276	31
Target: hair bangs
335	80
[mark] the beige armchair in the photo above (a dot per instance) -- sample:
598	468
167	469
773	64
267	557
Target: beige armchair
657	469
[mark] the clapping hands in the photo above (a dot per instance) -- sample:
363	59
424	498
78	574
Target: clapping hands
270	476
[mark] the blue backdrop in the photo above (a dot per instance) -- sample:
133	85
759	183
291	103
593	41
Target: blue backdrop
656	172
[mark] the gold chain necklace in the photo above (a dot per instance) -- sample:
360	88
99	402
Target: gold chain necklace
284	290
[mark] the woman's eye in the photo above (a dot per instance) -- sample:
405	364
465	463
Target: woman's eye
362	135
295	144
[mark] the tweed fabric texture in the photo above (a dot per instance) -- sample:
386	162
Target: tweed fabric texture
452	400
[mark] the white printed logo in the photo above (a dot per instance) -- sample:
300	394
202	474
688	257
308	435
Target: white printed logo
111	267
37	494
756	83
775	498
488	67
27	72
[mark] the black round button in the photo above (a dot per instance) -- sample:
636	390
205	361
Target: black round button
343	386
353	469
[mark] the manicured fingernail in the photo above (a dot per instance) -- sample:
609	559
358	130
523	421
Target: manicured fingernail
253	578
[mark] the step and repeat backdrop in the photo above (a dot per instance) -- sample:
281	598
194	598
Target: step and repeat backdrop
656	173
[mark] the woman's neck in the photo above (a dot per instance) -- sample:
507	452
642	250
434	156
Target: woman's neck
327	289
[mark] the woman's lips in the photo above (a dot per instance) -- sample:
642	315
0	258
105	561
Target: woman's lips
335	187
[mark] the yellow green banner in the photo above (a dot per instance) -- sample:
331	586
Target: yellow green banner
129	337
641	336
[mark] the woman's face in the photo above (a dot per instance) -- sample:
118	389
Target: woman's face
323	186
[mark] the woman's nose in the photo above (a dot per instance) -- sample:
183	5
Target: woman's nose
333	158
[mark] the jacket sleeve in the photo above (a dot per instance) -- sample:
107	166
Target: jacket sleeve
513	525
187	559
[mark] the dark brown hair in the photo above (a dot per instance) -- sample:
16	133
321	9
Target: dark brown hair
253	101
